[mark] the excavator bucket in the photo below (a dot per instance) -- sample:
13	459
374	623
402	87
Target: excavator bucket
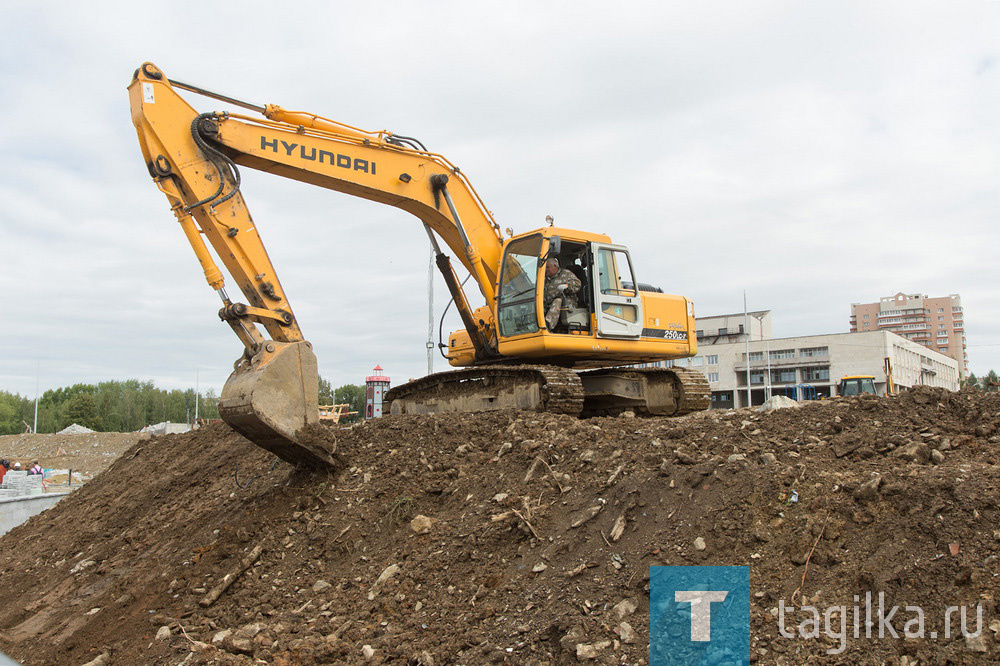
271	398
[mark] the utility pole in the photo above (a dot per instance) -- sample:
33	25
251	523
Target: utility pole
197	394
430	314
746	328
38	374
767	353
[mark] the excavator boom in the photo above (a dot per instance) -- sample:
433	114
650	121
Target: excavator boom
272	394
193	158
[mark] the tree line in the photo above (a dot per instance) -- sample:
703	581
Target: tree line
132	404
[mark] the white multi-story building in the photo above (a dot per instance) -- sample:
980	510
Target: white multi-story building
806	367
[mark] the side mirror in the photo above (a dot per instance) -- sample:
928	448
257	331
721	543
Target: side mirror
555	246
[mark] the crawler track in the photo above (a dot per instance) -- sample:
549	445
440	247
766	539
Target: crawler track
546	388
542	388
696	394
645	391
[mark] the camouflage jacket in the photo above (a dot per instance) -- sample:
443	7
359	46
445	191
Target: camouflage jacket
552	291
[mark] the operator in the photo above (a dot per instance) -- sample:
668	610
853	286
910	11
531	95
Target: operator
561	288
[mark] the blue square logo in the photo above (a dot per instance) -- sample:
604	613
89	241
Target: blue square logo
699	615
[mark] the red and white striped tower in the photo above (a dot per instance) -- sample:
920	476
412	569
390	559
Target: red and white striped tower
375	387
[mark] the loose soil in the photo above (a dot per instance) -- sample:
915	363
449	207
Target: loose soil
520	538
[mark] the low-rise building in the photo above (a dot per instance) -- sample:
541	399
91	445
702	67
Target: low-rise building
806	367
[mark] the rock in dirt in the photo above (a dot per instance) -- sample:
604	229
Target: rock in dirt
589	651
868	492
572	638
625	607
914	452
627	633
386	574
584	516
249	630
163	633
101	660
239	645
975	643
421	524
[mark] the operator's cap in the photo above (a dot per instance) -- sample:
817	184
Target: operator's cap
17	465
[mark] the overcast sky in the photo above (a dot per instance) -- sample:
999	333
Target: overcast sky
814	154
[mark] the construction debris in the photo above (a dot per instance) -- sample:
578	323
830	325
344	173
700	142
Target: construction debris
74	429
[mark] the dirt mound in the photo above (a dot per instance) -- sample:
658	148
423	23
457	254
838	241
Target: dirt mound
515	538
87	453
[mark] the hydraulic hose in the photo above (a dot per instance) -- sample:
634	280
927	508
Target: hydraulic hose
219	160
441	344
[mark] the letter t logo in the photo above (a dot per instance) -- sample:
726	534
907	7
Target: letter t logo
701	610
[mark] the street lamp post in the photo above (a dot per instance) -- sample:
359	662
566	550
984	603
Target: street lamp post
767	353
746	327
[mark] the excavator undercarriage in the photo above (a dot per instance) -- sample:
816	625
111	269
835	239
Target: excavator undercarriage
540	388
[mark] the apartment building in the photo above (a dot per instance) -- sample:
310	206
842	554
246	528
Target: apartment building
936	323
805	367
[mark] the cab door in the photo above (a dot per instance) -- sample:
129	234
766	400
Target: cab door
617	305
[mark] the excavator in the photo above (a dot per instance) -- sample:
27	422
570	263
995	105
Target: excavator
509	356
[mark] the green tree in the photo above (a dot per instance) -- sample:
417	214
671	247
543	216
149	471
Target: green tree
82	409
116	406
991	382
971	381
325	391
353	395
209	406
10	414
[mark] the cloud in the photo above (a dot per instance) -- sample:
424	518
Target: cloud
813	154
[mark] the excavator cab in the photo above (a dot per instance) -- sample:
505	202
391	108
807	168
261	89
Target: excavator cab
606	305
856	385
609	314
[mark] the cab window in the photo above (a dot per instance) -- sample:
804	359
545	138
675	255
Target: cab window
613	270
518	285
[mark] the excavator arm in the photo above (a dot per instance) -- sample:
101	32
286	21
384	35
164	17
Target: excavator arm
194	159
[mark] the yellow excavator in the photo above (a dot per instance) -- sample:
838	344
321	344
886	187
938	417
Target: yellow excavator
510	355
